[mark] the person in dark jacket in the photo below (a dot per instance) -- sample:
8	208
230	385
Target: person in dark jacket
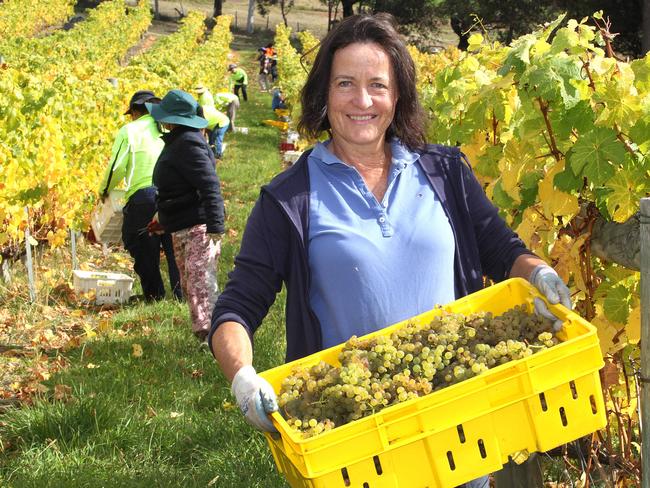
367	229
190	205
135	152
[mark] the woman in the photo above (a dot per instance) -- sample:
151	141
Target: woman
189	200
367	229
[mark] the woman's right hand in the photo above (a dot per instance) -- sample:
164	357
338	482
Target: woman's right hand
255	397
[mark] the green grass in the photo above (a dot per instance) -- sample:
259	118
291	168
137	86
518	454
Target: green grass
166	418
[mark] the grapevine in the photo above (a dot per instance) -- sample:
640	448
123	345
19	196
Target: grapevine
58	114
19	20
411	362
556	131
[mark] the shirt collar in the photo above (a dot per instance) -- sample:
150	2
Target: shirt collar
402	157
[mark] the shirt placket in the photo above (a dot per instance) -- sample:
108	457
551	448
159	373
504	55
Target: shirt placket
380	208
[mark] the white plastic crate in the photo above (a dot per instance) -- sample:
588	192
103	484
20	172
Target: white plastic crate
110	288
106	219
290	157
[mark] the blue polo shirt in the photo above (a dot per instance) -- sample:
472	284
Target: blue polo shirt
375	263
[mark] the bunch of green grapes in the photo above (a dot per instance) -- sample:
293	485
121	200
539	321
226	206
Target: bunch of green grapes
411	362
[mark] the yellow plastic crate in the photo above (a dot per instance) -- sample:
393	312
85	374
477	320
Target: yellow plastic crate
464	431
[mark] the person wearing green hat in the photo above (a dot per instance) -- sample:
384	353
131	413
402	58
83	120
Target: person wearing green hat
135	151
190	205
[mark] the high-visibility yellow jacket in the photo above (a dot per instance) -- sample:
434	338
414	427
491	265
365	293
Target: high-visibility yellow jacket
135	152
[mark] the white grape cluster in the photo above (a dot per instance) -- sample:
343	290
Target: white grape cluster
413	361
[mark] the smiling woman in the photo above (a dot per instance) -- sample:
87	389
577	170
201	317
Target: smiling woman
361	104
368	228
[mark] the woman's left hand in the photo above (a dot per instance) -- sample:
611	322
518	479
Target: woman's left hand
547	281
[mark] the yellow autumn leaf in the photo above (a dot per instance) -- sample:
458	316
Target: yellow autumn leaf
89	332
104	325
556	203
532	220
633	327
623	201
137	351
475	149
518	159
607	331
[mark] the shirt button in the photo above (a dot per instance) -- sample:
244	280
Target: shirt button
382	220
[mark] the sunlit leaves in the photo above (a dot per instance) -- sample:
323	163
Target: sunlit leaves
552	127
627	189
556	203
594	155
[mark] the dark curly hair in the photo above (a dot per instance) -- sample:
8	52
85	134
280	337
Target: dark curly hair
408	122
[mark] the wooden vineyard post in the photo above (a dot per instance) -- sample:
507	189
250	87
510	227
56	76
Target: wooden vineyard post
645	342
30	262
73	248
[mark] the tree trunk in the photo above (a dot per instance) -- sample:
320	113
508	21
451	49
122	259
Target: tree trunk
618	243
250	18
347	7
156	10
218	8
283	8
645	47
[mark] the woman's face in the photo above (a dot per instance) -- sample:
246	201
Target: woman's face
362	95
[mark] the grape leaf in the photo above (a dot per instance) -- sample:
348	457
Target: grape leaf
641	68
633	327
640	134
623	201
579	117
500	198
620	104
617	304
488	162
556	203
592	153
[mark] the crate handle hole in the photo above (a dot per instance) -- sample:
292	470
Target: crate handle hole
574	391
565	422
377	465
450	458
542	401
346	478
461	434
592	400
481	448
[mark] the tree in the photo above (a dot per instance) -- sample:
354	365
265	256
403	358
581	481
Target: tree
347	7
332	11
218	8
251	16
512	18
646	27
263	7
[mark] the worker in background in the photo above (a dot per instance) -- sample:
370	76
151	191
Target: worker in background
218	123
228	103
278	101
135	151
238	80
204	96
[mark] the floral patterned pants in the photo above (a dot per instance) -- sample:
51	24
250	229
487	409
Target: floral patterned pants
196	256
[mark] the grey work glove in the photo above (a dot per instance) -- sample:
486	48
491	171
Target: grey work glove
547	281
255	397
